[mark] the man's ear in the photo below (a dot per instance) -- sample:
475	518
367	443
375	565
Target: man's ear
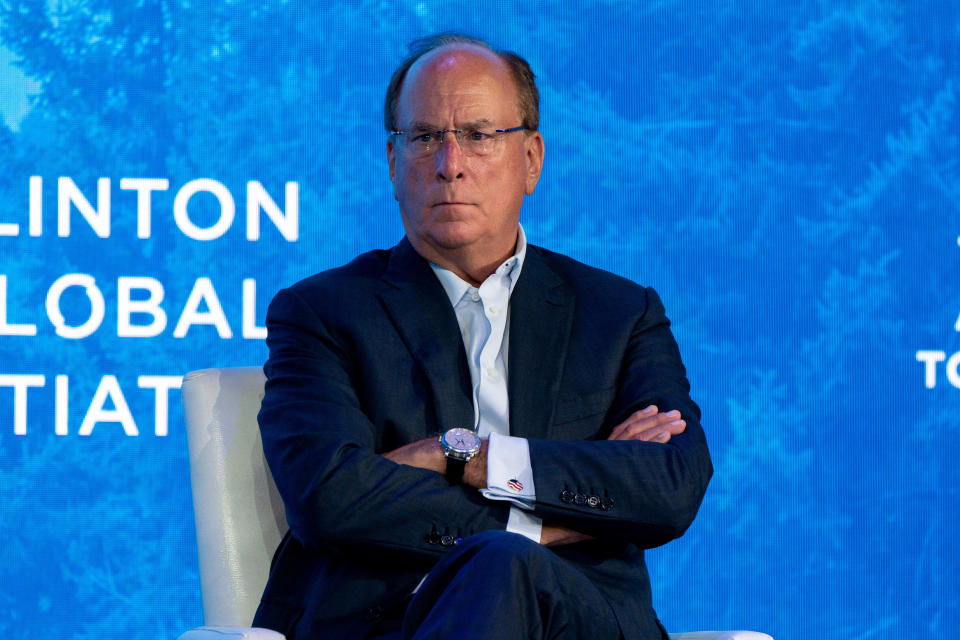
534	157
391	160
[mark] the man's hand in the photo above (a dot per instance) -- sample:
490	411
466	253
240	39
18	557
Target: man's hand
649	425
554	536
424	454
428	454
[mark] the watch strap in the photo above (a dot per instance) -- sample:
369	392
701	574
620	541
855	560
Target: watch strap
455	469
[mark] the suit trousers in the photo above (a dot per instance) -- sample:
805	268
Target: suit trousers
502	585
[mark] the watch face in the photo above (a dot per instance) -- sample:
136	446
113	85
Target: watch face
461	441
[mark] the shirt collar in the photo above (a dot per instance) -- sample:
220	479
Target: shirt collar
455	287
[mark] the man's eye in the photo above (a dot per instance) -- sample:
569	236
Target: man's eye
478	136
424	138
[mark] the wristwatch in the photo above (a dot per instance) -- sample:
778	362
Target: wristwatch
459	445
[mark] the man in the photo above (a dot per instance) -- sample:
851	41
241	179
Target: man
570	442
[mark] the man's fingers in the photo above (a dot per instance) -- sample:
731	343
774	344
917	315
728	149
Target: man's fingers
648	424
676	426
659	432
643	415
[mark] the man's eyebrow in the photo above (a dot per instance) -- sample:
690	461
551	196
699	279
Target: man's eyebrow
483	123
420	125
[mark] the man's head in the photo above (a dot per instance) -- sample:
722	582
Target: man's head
528	97
461	204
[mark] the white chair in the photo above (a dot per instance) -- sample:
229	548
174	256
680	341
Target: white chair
238	512
239	515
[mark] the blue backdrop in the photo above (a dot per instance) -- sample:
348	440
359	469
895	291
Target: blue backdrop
785	174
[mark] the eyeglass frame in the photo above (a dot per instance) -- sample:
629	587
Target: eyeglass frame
441	133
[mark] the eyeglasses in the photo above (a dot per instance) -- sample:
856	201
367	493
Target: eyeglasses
473	142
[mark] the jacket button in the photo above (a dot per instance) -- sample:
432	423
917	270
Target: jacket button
433	538
579	499
566	495
593	501
606	503
446	540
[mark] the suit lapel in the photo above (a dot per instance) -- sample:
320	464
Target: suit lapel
421	312
541	318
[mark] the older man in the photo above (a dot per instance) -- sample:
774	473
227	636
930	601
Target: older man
474	437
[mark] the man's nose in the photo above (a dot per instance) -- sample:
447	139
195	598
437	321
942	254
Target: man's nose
449	158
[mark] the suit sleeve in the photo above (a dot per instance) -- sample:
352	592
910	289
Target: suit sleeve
321	449
646	492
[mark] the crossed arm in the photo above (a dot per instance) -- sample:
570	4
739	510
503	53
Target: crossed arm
328	385
648	425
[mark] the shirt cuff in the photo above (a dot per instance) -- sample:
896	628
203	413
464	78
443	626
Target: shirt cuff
525	523
509	472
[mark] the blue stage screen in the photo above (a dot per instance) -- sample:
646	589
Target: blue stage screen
786	175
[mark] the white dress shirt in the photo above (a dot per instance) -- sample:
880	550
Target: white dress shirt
483	314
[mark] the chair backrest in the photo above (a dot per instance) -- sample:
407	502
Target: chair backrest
239	515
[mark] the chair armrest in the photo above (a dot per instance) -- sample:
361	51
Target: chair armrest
231	633
720	635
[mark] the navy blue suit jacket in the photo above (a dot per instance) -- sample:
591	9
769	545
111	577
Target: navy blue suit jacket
368	357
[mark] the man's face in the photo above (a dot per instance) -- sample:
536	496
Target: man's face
449	200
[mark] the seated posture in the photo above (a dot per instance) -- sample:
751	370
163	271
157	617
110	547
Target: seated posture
474	437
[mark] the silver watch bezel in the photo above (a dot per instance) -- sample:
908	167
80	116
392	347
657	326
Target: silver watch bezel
454	451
